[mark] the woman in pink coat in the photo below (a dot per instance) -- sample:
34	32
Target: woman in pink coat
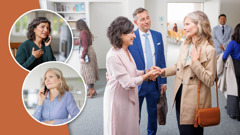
121	108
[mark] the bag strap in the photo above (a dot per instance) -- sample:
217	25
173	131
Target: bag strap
198	97
196	112
217	90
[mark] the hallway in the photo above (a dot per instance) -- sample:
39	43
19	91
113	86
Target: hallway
90	121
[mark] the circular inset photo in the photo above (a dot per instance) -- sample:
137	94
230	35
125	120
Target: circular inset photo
54	96
40	36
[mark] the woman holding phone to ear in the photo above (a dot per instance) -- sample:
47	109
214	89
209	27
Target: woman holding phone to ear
57	102
37	48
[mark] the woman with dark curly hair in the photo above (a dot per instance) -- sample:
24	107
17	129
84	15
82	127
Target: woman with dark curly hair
121	107
36	49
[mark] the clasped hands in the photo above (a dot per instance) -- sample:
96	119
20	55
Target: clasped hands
155	72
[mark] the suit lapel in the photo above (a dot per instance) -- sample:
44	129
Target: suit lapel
155	42
139	45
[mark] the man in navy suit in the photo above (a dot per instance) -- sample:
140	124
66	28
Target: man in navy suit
222	34
148	50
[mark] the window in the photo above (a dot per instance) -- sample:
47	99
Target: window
20	27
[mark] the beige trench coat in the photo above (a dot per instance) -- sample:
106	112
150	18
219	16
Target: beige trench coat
189	74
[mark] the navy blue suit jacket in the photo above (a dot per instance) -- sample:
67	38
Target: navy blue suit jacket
137	53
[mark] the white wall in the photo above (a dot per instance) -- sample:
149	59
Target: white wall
33	80
101	16
232	10
209	7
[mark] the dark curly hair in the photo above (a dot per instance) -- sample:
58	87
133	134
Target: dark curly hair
236	34
34	24
121	25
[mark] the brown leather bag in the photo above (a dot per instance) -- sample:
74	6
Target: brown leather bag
162	109
208	116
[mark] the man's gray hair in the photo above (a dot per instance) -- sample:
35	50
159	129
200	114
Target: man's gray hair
137	11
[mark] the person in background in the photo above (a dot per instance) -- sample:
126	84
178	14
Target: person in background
88	69
55	102
147	51
197	61
175	27
221	34
233	49
120	105
37	48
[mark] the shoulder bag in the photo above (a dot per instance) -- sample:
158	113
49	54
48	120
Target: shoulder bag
208	116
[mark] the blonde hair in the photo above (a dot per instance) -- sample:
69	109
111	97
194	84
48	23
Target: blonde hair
62	87
204	29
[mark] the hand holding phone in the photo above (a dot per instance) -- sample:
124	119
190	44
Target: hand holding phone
42	95
45	90
48	40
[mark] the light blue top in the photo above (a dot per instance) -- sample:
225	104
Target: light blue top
189	50
233	49
58	110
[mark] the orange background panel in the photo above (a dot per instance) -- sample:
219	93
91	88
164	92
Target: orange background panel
14	117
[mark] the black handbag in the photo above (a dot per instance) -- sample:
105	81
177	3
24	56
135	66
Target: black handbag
162	109
86	58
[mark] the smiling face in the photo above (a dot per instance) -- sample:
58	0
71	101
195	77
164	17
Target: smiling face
42	30
127	39
222	20
190	27
143	21
51	80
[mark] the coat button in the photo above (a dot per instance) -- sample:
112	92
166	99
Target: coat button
177	69
191	78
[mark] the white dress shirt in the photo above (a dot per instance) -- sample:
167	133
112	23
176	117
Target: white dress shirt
142	38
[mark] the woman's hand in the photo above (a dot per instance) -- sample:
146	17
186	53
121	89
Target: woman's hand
154	73
49	41
37	53
49	122
41	96
82	61
107	77
195	54
162	72
153	68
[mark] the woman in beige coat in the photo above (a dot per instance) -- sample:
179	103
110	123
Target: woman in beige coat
196	61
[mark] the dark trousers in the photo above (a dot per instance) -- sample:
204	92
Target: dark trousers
236	64
150	91
185	129
233	108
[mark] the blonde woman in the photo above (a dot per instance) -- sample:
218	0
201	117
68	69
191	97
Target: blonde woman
196	62
55	102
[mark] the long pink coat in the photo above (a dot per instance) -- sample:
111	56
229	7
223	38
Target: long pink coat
121	107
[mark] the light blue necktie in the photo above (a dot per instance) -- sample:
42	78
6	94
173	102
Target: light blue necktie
148	51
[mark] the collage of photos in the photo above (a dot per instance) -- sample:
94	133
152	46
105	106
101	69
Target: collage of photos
121	67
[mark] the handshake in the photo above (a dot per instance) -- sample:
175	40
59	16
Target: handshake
154	72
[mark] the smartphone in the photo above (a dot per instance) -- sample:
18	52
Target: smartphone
45	89
46	39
